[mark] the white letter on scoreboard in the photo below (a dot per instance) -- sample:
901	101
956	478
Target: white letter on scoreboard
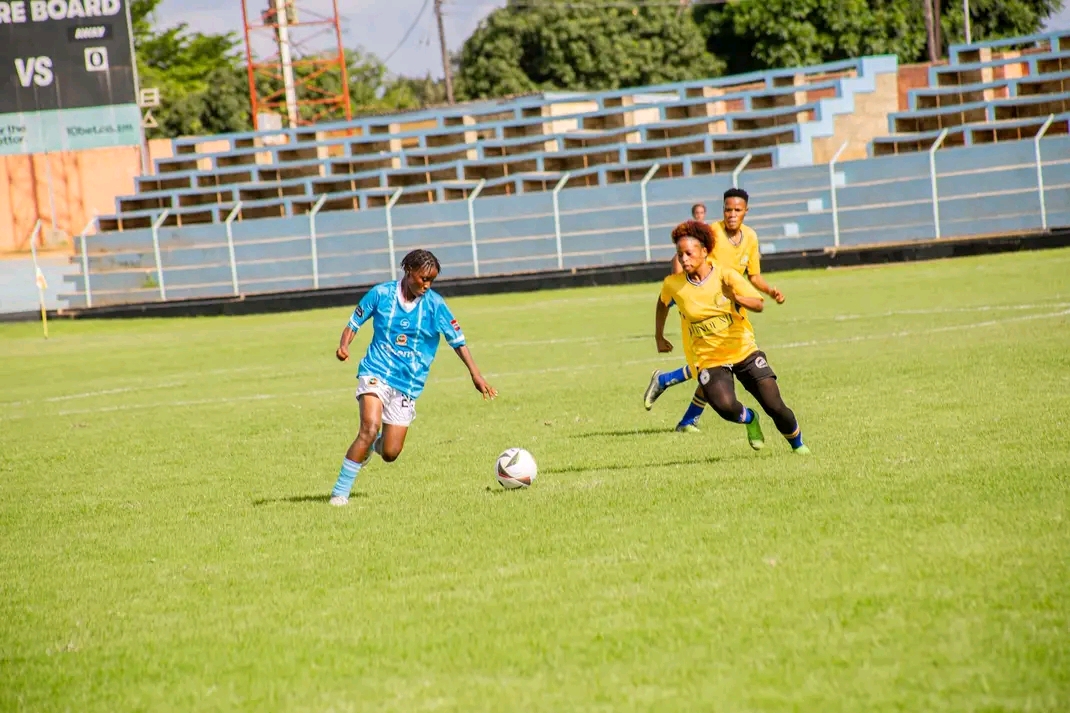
92	8
5	14
74	9
57	9
111	7
18	11
38	10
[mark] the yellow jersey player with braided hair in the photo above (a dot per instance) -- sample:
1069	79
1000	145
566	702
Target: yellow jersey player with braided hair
719	339
735	247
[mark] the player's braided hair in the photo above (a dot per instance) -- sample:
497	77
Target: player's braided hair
694	229
420	260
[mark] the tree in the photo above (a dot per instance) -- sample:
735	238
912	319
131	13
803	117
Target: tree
547	45
763	34
203	89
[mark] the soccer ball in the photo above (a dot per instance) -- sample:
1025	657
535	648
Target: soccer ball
515	469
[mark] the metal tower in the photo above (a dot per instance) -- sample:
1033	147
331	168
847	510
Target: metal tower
290	53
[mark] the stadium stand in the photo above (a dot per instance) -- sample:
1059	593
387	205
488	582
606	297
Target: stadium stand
989	92
490	186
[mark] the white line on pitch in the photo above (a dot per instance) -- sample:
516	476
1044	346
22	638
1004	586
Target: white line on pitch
573	368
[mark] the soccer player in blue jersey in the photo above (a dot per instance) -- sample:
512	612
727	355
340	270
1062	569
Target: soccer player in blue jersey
408	319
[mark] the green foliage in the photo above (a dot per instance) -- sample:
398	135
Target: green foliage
547	46
753	35
203	89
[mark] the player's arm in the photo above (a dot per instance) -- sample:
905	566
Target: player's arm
754	274
451	330
661	312
343	344
762	286
741	292
488	391
361	314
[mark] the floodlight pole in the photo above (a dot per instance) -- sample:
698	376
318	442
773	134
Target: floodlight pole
156	249
739	169
646	217
228	223
390	232
472	223
1040	171
557	219
932	178
832	188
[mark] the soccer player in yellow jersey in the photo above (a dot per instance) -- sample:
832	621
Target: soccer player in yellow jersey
735	246
719	339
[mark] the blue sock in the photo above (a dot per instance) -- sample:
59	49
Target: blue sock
671	378
795	439
694	410
346	477
747	416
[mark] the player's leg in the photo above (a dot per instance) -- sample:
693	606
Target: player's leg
662	380
758	378
371	418
689	423
391	443
720	390
398	413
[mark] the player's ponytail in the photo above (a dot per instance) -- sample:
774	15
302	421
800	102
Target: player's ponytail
420	260
694	229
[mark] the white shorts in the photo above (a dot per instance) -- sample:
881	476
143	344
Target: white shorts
398	409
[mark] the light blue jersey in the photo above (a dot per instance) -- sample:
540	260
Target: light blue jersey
405	337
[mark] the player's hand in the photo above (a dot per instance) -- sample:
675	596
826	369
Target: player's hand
776	295
342	353
664	345
488	391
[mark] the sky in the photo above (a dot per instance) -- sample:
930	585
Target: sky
379	26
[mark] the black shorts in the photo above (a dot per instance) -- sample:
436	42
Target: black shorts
749	372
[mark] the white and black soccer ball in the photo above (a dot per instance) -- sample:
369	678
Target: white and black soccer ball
515	469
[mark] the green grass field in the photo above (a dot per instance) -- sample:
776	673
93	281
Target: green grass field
167	545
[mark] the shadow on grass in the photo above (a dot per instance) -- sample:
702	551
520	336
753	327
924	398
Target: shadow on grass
587	468
303	499
624	432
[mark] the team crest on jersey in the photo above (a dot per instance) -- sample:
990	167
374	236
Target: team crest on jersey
745	260
401	340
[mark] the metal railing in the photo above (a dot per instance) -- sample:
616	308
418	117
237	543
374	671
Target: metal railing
570	231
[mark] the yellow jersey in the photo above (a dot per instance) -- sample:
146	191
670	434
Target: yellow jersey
744	258
715	332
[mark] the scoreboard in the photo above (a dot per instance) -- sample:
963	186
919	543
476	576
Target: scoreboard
66	76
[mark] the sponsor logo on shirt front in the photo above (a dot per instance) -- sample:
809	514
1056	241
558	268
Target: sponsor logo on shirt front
401	340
